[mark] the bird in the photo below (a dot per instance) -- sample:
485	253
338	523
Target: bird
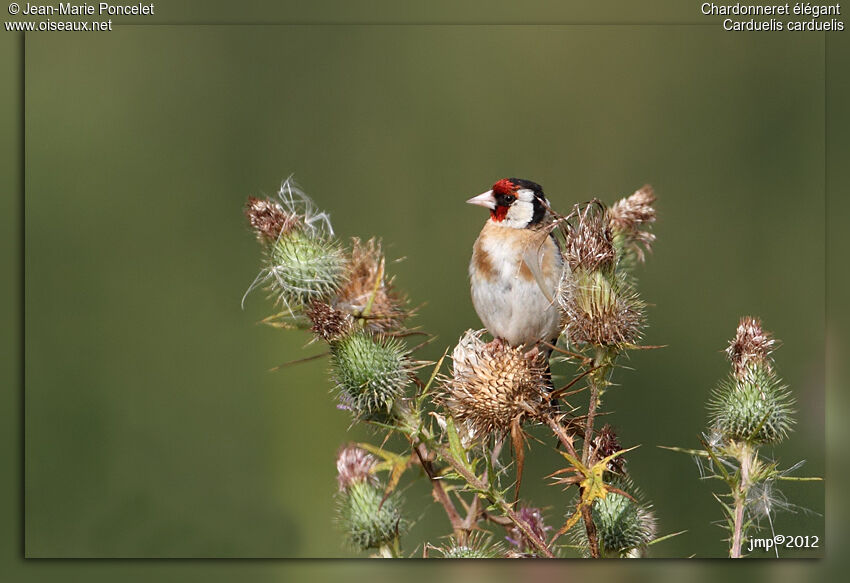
516	265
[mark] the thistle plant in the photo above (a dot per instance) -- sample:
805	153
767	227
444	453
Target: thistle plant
463	420
748	410
369	519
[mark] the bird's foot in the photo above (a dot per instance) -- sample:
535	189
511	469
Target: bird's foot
496	343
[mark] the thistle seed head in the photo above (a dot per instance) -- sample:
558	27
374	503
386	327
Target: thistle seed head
353	465
493	385
629	219
368	293
751	347
588	243
599	309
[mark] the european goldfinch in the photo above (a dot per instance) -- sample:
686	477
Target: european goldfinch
516	265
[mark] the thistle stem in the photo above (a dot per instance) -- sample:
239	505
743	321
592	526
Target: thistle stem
597	380
745	458
459	525
494	498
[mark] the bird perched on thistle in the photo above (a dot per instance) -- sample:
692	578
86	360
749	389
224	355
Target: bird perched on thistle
516	265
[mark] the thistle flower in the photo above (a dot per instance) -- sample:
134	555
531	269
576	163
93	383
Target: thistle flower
533	517
493	385
624	526
328	323
371	371
367	293
268	219
368	517
752	405
751	347
606	443
628	219
354	464
302	260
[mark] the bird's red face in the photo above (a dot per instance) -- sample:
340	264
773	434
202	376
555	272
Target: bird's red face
513	202
498	199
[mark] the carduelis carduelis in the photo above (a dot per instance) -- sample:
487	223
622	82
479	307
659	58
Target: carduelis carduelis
516	265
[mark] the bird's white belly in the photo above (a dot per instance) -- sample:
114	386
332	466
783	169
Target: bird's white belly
511	305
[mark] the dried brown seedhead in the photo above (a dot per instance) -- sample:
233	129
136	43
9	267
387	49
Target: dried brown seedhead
368	293
587	239
598	310
751	346
268	219
328	323
606	443
630	218
354	464
494	386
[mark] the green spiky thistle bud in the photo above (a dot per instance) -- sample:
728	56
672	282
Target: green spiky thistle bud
368	517
624	526
370	371
303	262
598	304
752	405
304	267
478	546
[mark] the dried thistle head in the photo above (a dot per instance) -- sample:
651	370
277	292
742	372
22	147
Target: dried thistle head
268	219
354	464
368	293
532	517
599	308
328	323
751	346
629	219
493	385
606	443
588	243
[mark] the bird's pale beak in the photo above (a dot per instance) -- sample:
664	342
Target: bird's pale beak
485	199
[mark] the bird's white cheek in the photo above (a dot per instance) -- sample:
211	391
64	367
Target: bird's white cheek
520	214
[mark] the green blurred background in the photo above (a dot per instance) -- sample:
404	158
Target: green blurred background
152	425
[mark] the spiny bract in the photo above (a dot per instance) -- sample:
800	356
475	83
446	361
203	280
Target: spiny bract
623	527
304	268
755	408
368	519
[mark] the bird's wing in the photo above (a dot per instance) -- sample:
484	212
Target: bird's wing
532	256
